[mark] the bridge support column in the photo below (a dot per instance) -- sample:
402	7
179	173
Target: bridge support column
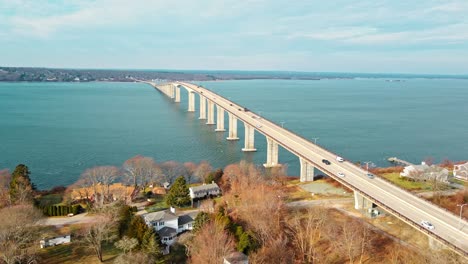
171	91
177	94
210	117
219	119
307	171
361	202
202	107
249	138
232	127
272	154
191	101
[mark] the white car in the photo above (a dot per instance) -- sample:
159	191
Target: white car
259	126
341	175
340	159
427	225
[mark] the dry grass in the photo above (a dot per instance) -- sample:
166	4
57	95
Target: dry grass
73	253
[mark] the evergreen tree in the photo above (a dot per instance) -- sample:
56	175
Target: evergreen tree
201	219
179	193
21	188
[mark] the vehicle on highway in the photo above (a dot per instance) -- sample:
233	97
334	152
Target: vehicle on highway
326	161
341	175
246	109
427	225
340	159
370	175
258	126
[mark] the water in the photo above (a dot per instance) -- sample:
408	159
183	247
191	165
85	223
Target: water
60	129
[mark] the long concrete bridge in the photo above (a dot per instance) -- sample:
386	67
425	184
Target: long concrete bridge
449	229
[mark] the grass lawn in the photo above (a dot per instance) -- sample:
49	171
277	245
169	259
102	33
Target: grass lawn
159	204
73	253
50	199
407	184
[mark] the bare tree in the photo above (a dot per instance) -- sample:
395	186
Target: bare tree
100	178
210	244
306	232
94	235
126	244
141	171
203	170
190	169
18	230
5	179
171	170
352	239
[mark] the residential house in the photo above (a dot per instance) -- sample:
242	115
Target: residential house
117	191
460	171
236	258
425	172
168	224
204	190
54	241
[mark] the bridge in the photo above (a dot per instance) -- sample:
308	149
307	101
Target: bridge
449	230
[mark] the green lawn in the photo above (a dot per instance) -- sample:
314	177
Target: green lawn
160	204
49	199
73	253
407	184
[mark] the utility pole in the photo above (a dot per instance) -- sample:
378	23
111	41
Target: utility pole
367	165
461	210
282	123
315	140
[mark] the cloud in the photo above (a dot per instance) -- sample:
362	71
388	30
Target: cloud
334	33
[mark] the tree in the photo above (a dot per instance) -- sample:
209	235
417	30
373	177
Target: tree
18	231
171	170
100	178
179	193
21	188
203	170
141	171
190	169
95	234
5	179
126	244
210	244
200	220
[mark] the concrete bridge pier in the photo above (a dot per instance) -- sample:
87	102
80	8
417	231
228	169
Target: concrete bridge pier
177	94
171	91
249	138
191	101
219	119
361	202
232	127
210	117
307	171
272	154
202	107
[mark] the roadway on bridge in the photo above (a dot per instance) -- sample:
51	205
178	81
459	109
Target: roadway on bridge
383	193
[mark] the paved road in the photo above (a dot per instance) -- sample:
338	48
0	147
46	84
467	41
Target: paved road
65	220
397	201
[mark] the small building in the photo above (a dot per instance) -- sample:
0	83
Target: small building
204	190
54	241
168	224
425	172
117	191
460	171
236	258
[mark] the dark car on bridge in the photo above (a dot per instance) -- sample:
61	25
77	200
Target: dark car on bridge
326	161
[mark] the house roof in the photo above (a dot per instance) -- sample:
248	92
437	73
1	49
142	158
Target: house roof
204	187
167	232
236	257
185	219
165	215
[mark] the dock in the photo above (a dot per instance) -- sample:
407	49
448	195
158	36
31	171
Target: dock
399	161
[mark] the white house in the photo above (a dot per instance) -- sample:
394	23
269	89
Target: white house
460	171
204	190
236	258
168	224
54	241
425	172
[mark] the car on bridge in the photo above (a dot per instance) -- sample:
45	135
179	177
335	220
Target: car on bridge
427	225
340	159
370	175
326	161
341	175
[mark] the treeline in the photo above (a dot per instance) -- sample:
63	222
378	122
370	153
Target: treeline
61	210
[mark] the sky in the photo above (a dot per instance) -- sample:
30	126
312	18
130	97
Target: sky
374	36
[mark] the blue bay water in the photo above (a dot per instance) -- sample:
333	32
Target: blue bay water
60	129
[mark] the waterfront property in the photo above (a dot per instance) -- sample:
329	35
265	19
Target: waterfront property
113	192
425	172
205	190
460	171
169	224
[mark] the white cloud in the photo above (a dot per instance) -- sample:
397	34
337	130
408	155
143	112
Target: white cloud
334	33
